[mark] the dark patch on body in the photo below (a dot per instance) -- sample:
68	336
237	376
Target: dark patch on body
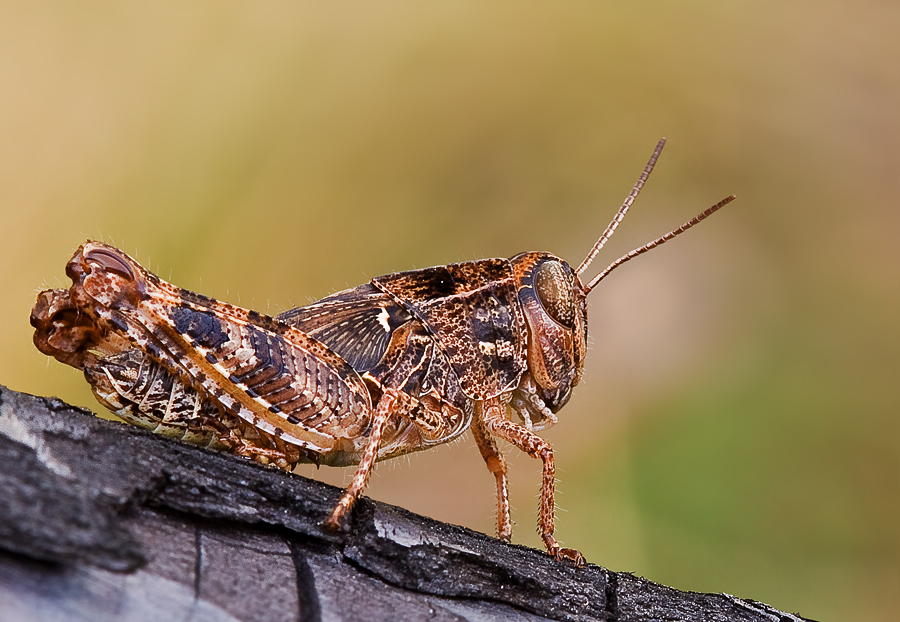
202	326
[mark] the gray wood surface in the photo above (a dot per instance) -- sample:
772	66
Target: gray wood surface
101	521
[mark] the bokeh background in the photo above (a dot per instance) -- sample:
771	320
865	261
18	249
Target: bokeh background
737	427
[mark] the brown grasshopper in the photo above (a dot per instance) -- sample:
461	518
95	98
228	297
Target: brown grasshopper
400	364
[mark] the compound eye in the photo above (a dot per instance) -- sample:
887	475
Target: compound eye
553	284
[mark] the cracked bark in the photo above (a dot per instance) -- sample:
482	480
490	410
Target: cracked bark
102	521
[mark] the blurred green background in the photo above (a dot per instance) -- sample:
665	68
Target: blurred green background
737	426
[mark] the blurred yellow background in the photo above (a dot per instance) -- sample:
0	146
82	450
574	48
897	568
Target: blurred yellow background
737	426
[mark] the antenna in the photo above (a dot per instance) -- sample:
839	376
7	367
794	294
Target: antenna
610	229
660	240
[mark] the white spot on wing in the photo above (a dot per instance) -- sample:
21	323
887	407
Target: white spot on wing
384	320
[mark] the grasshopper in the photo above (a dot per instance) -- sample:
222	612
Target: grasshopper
400	364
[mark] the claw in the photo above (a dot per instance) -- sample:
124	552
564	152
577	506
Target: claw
571	555
335	522
561	554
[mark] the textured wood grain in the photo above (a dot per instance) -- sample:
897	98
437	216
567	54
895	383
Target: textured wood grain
104	522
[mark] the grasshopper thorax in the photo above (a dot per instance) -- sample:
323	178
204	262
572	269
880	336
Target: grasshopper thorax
555	307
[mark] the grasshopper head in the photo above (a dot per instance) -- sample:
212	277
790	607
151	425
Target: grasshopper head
554	301
555	306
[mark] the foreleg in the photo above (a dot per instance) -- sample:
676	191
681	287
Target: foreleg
495	421
496	464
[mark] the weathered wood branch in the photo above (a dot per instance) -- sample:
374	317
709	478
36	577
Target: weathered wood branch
102	521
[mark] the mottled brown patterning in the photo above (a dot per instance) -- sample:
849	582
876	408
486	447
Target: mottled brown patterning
403	363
